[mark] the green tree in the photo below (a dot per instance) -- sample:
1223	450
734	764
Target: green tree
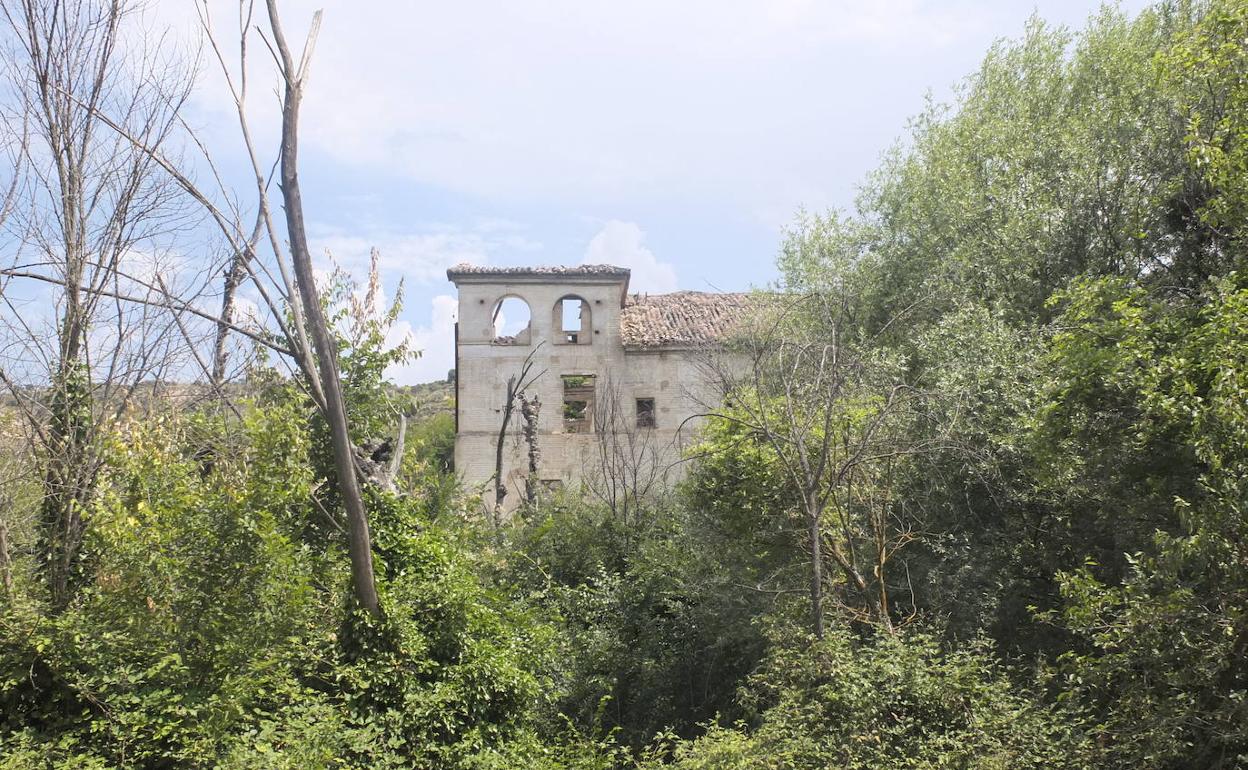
1164	659
1206	69
896	701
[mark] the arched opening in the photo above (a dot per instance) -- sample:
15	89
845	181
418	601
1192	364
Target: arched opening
510	322
572	321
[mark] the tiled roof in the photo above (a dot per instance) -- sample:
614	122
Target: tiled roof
681	318
465	269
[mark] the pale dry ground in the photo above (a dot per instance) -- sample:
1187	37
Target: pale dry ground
430	398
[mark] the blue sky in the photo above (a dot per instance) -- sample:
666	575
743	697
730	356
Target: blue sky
675	138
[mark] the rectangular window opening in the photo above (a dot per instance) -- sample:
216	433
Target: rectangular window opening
578	402
645	413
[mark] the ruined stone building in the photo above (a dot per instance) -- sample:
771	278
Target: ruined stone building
615	380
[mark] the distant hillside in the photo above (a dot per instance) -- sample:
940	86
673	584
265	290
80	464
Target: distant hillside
430	398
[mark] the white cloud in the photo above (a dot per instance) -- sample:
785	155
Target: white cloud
623	244
435	341
733	98
421	258
247	313
750	107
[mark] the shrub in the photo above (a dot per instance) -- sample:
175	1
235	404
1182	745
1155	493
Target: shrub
888	702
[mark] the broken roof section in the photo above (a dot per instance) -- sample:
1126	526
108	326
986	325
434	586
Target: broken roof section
681	319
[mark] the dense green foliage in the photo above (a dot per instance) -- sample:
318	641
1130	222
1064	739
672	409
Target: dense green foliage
1051	270
218	632
896	702
656	636
214	634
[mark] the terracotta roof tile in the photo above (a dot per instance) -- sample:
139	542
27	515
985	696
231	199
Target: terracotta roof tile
681	318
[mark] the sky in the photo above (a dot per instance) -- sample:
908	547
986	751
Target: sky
674	138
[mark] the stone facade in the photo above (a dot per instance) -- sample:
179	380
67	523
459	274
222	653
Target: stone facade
619	388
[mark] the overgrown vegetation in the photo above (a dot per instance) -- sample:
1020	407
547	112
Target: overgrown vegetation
1023	360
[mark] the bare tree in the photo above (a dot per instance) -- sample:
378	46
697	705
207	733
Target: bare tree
833	408
290	296
294	78
278	294
93	223
311	342
517	384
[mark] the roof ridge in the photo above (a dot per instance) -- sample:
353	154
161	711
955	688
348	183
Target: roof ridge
467	268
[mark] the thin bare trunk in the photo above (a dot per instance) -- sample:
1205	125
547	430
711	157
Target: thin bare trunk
500	486
220	348
359	540
6	562
529	410
516	385
816	566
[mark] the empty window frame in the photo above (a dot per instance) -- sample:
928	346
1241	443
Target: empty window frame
645	413
578	403
510	322
572	321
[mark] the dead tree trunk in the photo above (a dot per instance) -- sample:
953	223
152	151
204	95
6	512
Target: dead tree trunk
359	540
500	486
516	384
234	275
815	531
530	409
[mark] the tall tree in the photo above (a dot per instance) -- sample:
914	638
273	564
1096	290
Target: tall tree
834	409
93	223
294	78
291	298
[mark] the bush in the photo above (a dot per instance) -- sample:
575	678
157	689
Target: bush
654	637
889	702
213	634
